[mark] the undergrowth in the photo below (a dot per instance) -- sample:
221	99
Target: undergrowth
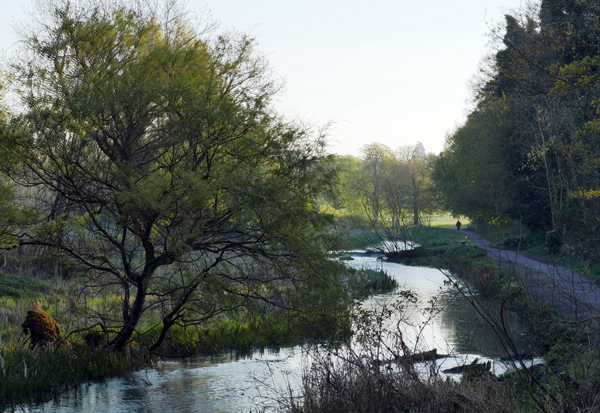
27	376
368	376
366	281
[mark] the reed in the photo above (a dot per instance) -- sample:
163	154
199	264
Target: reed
243	331
357	378
27	376
366	281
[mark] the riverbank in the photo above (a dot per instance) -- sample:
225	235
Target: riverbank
561	307
568	292
236	382
356	380
33	375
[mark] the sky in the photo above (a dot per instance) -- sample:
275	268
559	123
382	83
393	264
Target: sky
389	71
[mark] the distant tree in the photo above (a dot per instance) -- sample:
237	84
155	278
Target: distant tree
394	189
417	165
345	195
376	159
180	190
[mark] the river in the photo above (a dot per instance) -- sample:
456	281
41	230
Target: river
251	382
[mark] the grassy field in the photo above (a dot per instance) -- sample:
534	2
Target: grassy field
438	236
446	221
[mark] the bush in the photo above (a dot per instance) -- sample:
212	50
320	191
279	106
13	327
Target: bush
372	375
366	281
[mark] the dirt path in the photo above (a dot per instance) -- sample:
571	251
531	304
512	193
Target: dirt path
569	292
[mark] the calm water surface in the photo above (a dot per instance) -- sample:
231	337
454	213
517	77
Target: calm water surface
251	383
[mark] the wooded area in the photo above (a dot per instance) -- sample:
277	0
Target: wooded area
528	154
529	150
145	171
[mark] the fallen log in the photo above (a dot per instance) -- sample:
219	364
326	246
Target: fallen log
516	357
473	368
430	355
424	356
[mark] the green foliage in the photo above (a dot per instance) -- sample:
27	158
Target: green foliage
471	253
164	170
429	236
529	149
381	194
476	370
470	173
344	197
26	376
52	265
240	331
352	234
13	213
563	353
21	287
364	282
245	330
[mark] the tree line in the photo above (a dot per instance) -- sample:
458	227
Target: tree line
528	153
529	150
383	191
146	151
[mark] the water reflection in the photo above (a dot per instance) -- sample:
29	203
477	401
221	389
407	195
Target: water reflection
244	384
469	332
226	384
457	327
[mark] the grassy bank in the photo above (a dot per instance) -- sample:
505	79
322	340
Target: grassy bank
28	376
365	282
570	378
35	375
426	236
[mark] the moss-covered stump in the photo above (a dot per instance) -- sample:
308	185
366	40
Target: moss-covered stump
42	328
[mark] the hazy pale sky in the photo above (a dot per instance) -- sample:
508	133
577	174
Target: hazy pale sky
390	71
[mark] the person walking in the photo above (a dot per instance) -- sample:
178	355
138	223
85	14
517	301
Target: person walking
458	224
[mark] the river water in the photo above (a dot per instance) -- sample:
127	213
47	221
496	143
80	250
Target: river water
252	382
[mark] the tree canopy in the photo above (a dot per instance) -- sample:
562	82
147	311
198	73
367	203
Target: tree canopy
156	161
529	149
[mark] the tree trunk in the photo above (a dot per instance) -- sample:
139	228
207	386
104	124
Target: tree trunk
133	318
167	324
415	203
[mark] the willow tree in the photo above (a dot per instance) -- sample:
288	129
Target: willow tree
160	165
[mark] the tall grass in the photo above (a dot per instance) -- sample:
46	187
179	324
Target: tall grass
35	377
29	376
366	281
244	331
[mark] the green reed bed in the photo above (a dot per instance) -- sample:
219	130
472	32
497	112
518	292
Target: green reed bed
38	376
27	376
244	331
366	281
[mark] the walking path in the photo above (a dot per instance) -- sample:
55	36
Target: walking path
568	291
